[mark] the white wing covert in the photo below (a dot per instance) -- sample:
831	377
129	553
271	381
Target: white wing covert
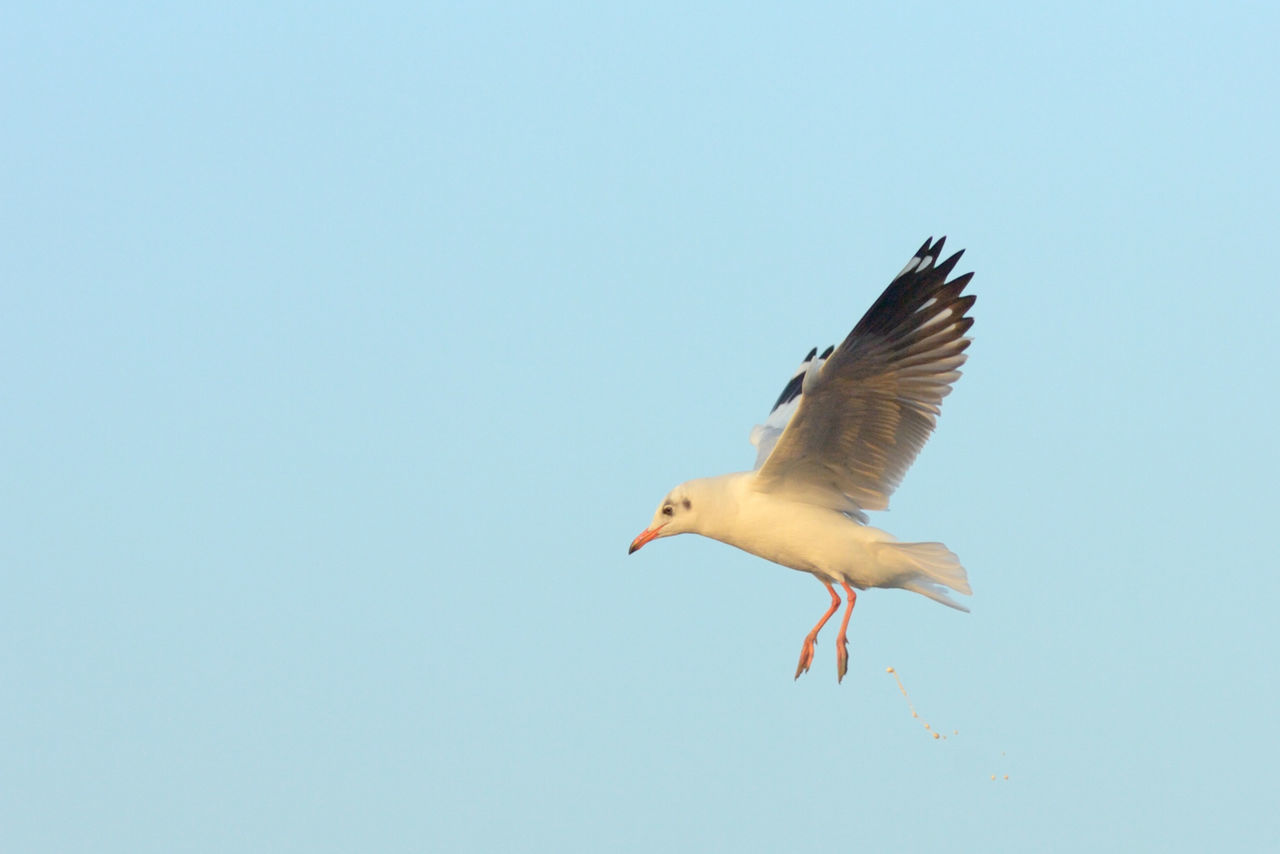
853	425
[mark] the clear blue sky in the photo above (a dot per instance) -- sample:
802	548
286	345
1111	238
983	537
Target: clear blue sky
344	350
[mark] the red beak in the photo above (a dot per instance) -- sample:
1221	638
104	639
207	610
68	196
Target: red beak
645	536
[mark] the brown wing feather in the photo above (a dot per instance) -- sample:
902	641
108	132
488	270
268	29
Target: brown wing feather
877	399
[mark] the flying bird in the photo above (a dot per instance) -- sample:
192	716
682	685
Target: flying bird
844	431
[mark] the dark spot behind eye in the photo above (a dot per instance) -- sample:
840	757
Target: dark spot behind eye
687	504
668	510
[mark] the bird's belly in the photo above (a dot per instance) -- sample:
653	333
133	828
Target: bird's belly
823	542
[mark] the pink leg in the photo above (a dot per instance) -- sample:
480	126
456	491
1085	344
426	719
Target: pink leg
806	652
842	645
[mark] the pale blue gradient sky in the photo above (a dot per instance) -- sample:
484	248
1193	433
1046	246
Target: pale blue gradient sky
344	350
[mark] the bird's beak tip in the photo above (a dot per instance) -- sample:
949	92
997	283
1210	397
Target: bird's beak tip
645	536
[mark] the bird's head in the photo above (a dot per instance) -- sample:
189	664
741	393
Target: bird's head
677	514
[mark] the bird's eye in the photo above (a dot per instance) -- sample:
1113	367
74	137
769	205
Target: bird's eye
668	510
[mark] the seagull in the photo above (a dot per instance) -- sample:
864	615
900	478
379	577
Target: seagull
844	431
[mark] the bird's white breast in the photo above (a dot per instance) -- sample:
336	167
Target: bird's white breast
798	535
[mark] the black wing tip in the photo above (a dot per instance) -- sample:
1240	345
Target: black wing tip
948	265
913	287
795	385
940	270
933	249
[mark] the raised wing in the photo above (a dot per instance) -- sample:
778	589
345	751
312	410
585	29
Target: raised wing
765	436
865	414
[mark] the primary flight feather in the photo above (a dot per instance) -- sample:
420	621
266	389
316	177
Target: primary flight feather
838	441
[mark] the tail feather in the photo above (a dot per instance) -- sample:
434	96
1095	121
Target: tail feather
930	569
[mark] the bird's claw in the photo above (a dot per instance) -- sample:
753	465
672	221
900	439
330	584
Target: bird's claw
842	659
806	657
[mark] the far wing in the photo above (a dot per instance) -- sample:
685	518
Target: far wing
865	415
765	436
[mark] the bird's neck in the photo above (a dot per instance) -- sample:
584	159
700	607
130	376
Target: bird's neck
720	501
